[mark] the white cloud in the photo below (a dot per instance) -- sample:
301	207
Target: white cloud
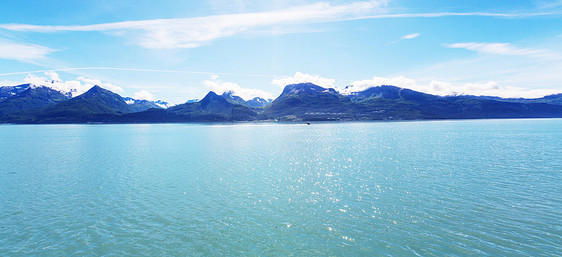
490	88
105	85
9	83
547	4
220	87
411	36
501	49
194	32
53	75
71	87
453	14
540	68
143	95
143	70
23	52
198	31
304	78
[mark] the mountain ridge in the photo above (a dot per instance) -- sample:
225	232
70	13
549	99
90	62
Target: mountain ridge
95	105
30	98
297	102
254	102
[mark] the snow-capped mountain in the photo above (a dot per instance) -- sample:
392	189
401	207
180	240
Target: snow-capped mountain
69	88
8	91
163	104
141	105
258	102
29	98
255	102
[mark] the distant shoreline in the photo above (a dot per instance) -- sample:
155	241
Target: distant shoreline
276	122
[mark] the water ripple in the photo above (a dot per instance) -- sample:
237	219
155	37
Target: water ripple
411	188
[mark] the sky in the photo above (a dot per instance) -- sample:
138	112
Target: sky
177	50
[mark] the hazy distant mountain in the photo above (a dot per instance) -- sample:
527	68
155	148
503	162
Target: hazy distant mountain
30	98
549	99
163	104
191	101
137	105
258	102
255	102
389	102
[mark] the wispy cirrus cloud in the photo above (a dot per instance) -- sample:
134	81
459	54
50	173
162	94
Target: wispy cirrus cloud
411	36
195	32
23	52
452	14
198	31
548	4
503	49
139	70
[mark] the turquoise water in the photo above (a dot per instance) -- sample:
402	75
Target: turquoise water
485	187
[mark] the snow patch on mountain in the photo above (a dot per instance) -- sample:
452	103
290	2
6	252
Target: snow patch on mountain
162	104
133	101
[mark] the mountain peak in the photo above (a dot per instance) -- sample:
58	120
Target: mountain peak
258	102
305	88
97	89
211	95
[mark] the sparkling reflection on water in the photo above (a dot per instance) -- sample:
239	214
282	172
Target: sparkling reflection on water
489	187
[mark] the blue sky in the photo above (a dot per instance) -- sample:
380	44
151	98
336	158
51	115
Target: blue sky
179	50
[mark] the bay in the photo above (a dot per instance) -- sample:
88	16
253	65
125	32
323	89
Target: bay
431	188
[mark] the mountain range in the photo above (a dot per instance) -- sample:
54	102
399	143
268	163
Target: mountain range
298	102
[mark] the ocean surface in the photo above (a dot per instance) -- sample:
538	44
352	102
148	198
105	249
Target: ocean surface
429	188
